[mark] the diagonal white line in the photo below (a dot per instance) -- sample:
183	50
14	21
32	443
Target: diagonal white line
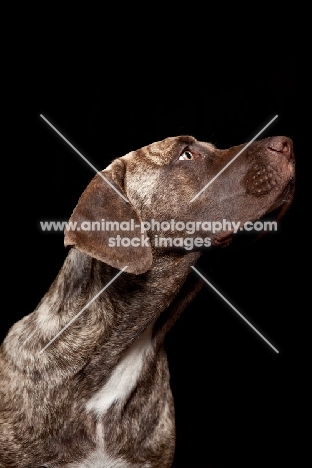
85	159
232	160
84	308
235	310
28	337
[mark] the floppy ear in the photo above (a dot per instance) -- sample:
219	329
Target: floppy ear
99	204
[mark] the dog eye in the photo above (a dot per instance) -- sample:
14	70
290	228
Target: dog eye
186	156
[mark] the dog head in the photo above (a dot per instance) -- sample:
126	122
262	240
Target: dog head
184	180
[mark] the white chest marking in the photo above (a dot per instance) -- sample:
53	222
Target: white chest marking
124	377
100	459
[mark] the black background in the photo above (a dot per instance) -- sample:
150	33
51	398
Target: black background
238	403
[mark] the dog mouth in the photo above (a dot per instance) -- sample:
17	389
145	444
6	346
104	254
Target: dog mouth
284	200
272	215
272	170
278	209
263	179
282	203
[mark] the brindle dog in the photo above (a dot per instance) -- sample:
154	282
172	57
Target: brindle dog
99	395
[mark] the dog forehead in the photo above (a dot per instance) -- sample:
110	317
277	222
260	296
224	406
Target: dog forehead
161	152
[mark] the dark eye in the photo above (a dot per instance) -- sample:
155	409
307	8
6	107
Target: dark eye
186	156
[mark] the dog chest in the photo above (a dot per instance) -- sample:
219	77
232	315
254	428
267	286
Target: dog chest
99	459
124	376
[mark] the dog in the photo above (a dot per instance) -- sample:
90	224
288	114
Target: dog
84	378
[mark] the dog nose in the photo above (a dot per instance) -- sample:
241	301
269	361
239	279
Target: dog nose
282	145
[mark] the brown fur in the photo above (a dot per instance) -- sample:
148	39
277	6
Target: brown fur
43	397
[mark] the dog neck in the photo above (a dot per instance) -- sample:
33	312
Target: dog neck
106	322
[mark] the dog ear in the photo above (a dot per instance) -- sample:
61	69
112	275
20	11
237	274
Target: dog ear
100	204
